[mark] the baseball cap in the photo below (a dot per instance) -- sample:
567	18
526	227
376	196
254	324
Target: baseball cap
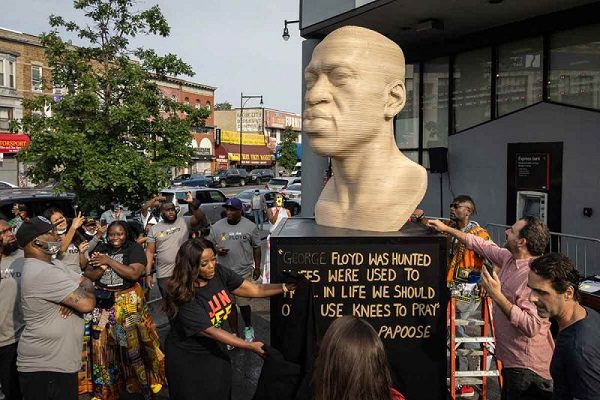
29	230
234	203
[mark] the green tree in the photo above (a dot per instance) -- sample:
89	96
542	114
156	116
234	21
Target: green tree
223	106
112	134
288	156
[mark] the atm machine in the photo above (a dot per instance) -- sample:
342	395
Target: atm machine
532	203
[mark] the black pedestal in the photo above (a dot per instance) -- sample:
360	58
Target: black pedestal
396	281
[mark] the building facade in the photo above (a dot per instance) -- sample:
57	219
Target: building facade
261	129
23	70
195	95
511	93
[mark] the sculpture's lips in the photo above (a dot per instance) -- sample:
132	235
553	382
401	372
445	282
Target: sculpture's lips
313	115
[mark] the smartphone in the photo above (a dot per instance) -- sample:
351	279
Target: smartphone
103	222
490	268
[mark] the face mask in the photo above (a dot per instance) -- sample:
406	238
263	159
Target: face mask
61	232
51	248
91	233
279	202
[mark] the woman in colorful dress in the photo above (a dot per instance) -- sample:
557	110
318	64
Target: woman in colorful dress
125	345
199	298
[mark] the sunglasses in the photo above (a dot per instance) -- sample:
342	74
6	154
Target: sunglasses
456	205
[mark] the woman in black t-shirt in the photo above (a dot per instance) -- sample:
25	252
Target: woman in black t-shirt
198	301
125	345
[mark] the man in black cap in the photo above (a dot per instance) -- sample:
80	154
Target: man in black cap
237	241
49	351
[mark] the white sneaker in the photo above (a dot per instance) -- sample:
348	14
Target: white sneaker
249	334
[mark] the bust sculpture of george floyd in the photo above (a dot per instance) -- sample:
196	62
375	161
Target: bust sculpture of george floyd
354	89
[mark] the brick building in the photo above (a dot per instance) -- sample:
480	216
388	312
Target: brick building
24	73
23	68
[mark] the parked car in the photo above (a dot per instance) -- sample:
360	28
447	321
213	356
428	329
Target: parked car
232	176
179	179
269	196
7	185
294	192
36	200
297	171
211	201
260	175
282	182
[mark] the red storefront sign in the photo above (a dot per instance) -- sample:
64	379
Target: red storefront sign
13	142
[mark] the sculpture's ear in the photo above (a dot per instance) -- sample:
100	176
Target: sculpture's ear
396	97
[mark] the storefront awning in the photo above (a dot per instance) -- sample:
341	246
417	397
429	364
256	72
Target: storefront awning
251	155
13	142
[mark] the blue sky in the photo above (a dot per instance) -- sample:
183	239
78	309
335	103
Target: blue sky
235	45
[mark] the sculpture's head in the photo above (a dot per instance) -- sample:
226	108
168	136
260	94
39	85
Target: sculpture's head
354	86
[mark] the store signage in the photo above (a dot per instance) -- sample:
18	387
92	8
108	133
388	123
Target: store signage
532	171
232	137
12	143
251	120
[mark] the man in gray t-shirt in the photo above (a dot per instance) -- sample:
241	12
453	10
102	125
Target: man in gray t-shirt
165	239
11	316
52	298
237	241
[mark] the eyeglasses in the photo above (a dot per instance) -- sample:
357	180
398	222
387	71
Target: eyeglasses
456	205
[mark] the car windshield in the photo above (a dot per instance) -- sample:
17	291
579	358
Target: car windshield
223	173
278	182
295	186
245	195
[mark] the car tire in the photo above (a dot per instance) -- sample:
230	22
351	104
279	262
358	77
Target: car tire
295	210
242	182
223	183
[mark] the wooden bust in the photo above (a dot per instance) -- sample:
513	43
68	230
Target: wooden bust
354	89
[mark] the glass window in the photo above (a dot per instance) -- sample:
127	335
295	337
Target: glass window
574	76
36	78
208	105
413	155
5	117
472	88
174	97
407	121
435	103
197	105
7	70
186	101
519	77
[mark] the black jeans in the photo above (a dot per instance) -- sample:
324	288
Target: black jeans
48	385
9	378
524	384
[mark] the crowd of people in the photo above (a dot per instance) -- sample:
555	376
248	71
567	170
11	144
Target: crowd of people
74	317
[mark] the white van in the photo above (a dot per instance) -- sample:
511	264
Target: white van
297	171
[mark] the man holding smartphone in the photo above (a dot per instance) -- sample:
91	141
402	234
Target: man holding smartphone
524	343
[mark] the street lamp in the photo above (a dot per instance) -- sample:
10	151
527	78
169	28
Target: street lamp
286	32
243	101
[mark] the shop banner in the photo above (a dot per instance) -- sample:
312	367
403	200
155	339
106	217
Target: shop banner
13	142
232	137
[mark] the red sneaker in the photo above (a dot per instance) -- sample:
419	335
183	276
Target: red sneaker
465	391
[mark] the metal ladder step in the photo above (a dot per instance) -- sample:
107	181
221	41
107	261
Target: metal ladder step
468	322
474	339
478	373
469	352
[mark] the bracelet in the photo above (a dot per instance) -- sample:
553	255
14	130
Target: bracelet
284	288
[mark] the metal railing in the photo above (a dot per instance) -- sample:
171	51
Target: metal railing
583	251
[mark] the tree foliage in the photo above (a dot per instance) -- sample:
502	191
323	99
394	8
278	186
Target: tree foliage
111	133
223	106
288	154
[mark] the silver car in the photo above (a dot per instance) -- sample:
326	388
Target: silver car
211	200
280	183
294	192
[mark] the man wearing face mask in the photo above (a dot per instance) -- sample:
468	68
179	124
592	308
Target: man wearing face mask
237	241
53	298
11	316
166	237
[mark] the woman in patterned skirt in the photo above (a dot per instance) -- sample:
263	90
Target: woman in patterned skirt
125	345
